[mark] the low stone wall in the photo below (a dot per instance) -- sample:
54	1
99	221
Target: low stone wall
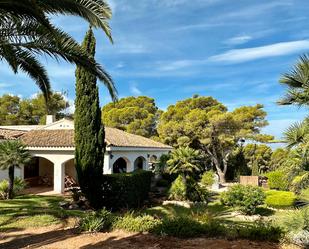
249	180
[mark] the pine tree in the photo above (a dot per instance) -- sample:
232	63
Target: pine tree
89	131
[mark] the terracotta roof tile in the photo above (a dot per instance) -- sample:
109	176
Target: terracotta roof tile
7	134
65	138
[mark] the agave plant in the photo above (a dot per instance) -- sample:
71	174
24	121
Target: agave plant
26	32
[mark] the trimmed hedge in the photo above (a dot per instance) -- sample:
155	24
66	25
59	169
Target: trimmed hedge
126	190
280	199
277	180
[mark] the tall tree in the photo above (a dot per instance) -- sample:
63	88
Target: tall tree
89	131
32	111
26	31
13	154
137	115
205	124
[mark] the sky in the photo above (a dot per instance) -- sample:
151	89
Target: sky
235	51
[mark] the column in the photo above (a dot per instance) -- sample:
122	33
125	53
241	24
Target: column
59	173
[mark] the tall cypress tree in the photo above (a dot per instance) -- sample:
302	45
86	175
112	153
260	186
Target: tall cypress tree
89	131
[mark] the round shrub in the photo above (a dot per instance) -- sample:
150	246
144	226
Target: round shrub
96	221
277	180
280	199
178	190
208	178
244	198
131	223
182	227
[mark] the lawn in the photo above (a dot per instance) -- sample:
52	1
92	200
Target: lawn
33	211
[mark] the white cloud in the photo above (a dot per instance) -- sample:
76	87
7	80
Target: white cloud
134	89
247	54
238	40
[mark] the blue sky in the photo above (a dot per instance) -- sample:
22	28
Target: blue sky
234	51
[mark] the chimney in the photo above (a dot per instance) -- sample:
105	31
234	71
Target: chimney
50	119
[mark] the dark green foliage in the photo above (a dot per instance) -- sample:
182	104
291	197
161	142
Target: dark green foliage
136	223
183	227
162	183
126	190
187	190
277	180
261	231
32	111
244	198
178	190
280	199
89	131
96	221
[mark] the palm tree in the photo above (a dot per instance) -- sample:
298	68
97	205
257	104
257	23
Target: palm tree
297	134
184	161
13	154
297	81
26	32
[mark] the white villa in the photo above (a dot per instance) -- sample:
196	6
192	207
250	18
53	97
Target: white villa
52	148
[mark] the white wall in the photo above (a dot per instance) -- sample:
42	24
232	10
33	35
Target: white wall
18	173
130	155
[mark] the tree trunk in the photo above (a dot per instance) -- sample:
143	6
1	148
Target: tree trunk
11	182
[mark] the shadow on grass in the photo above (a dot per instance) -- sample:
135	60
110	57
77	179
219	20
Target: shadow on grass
31	210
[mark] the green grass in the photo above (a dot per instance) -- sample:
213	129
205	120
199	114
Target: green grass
33	211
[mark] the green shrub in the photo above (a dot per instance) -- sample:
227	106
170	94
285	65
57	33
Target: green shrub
178	190
208	178
280	199
180	227
126	190
277	180
162	183
304	195
262	231
19	185
192	191
131	223
297	221
300	182
96	221
245	198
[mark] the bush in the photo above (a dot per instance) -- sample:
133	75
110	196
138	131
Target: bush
208	178
304	195
280	199
178	190
297	226
96	221
162	183
277	180
182	227
126	190
19	185
245	198
131	223
190	192
263	231
300	182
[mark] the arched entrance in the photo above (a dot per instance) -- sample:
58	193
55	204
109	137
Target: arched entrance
120	165
153	160
139	163
70	178
39	172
